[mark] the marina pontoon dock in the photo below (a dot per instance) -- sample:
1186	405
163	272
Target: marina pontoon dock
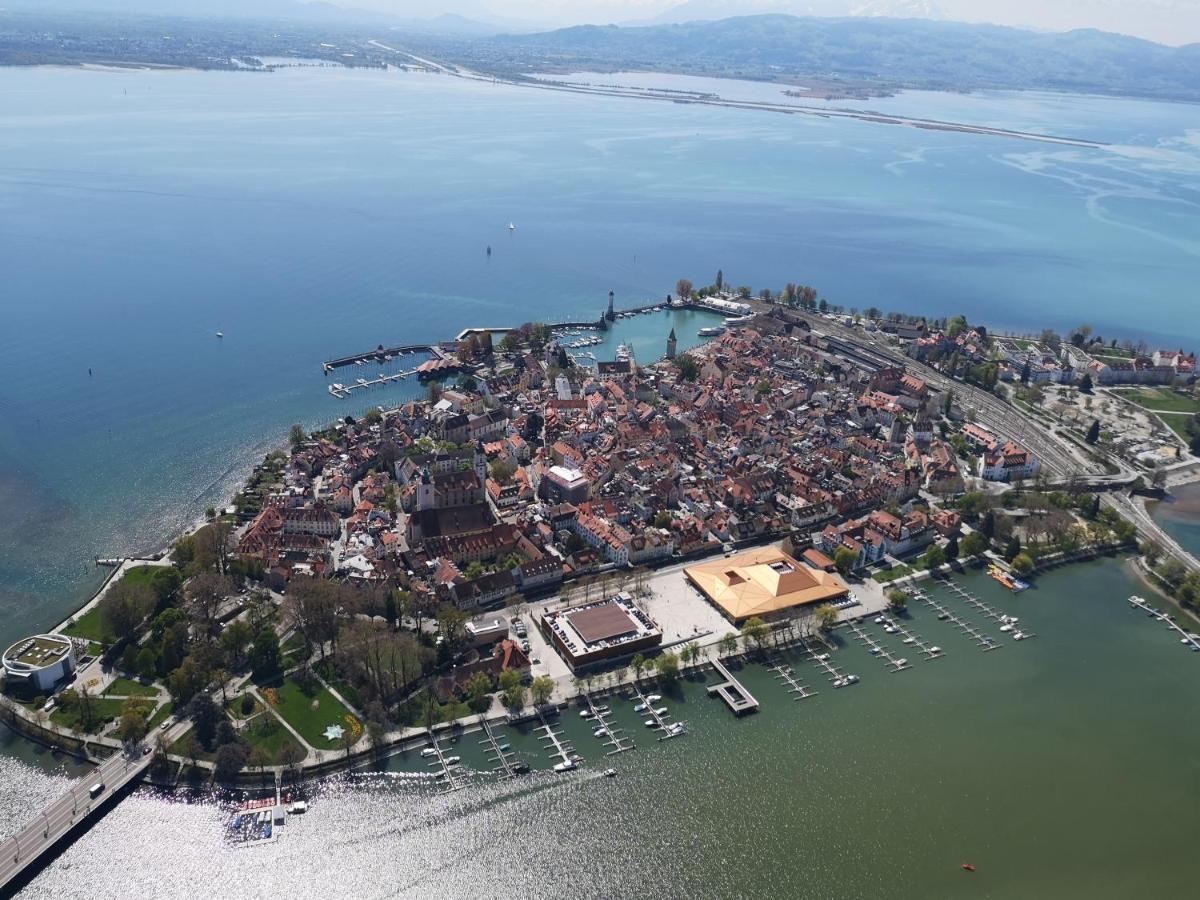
1006	623
610	735
500	758
875	648
787	676
383	354
910	637
553	742
966	628
732	691
821	658
658	716
448	766
1191	640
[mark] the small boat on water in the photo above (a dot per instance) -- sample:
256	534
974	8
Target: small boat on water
220	334
641	707
710	332
610	773
1013	584
567	766
428	752
654	698
968	867
512	227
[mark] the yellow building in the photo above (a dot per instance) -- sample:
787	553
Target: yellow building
763	583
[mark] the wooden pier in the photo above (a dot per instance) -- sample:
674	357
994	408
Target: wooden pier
965	627
346	389
732	691
877	649
500	758
611	738
787	677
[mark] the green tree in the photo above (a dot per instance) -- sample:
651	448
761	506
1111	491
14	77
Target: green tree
1093	432
844	560
663	519
541	690
755	630
973	544
297	436
638	663
728	643
827	617
687	367
264	653
683	288
1085	384
479	687
231	759
934	557
668	666
897	600
1022	564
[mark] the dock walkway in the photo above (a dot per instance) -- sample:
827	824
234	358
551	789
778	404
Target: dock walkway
908	636
787	676
660	721
500	758
553	742
822	660
611	736
448	769
875	648
1185	638
732	691
965	627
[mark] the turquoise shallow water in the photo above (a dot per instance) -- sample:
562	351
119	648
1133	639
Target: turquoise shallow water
312	213
1059	766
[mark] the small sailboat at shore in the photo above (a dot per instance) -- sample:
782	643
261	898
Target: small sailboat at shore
220	334
512	227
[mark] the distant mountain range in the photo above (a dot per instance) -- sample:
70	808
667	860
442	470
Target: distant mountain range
709	10
908	52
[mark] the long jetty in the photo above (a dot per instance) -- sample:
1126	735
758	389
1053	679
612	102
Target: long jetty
448	769
53	822
962	625
1185	638
381	354
1006	623
732	691
554	742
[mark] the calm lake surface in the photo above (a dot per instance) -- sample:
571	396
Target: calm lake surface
312	213
1059	766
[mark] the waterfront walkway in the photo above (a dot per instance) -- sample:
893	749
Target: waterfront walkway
58	818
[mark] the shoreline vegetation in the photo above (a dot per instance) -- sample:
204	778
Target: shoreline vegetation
233	667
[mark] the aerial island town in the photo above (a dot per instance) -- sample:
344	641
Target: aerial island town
537	528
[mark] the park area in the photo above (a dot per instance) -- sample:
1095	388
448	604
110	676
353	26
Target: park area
312	710
1174	408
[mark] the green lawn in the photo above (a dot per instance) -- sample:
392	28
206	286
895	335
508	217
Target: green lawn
87	626
267	732
127	687
310	714
892	574
234	706
103	709
1162	400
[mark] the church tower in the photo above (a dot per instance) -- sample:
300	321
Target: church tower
671	344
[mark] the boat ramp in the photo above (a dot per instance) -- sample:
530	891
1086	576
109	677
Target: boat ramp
732	691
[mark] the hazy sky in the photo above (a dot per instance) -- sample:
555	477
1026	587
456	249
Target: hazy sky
1168	21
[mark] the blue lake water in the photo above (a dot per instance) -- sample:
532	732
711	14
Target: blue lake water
311	213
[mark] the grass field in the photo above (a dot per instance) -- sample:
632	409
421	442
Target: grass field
234	706
311	714
1162	400
266	732
87	626
127	687
892	574
103	709
180	747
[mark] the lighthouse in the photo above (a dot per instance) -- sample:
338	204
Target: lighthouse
611	314
671	342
